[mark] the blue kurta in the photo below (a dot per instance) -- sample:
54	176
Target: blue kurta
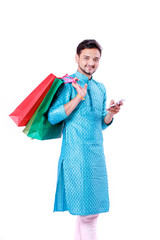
82	184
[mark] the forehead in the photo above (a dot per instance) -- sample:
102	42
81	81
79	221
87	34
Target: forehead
92	52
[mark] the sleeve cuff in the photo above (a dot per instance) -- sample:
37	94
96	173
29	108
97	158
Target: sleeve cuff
64	115
57	115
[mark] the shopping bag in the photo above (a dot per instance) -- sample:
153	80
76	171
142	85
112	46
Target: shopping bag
38	126
23	113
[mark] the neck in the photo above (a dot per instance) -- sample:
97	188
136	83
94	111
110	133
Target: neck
84	73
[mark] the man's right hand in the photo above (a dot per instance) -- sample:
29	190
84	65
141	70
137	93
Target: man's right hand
71	105
81	91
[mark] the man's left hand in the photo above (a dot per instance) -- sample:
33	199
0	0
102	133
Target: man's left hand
116	108
112	110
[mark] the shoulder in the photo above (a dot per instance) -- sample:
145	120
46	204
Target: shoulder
72	75
67	86
64	89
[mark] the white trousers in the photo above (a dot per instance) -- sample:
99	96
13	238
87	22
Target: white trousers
86	227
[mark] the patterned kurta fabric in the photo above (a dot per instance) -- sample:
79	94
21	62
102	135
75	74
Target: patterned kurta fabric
82	183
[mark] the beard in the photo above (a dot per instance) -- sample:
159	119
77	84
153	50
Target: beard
89	70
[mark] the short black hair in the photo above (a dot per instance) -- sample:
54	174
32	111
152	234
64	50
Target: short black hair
88	43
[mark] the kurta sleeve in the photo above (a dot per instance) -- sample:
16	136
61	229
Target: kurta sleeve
57	112
104	111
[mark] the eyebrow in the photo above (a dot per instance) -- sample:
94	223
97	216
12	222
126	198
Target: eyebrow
90	56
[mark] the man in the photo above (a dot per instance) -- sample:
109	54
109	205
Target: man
82	185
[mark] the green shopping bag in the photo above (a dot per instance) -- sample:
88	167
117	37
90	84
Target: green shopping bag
39	127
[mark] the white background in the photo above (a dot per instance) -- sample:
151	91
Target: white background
39	38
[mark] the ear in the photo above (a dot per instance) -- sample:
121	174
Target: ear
77	58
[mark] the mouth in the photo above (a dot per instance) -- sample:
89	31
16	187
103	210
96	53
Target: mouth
90	67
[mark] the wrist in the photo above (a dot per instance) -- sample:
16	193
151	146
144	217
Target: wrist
108	118
80	97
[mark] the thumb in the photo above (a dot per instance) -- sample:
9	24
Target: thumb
112	102
85	86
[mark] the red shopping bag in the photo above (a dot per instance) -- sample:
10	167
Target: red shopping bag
23	113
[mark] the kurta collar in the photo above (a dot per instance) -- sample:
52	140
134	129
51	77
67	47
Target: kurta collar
83	77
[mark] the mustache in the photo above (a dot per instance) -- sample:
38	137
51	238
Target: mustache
92	66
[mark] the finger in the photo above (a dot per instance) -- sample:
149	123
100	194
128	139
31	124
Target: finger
76	79
74	84
114	109
117	106
113	112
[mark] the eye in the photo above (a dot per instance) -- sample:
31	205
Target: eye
96	59
86	57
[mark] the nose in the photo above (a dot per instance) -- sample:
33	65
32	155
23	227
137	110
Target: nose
91	62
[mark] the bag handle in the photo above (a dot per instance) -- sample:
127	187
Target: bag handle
68	79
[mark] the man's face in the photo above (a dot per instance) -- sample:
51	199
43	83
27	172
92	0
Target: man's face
88	61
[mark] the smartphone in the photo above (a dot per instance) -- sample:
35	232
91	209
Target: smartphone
118	103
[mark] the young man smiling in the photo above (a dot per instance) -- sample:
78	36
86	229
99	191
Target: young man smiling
82	183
